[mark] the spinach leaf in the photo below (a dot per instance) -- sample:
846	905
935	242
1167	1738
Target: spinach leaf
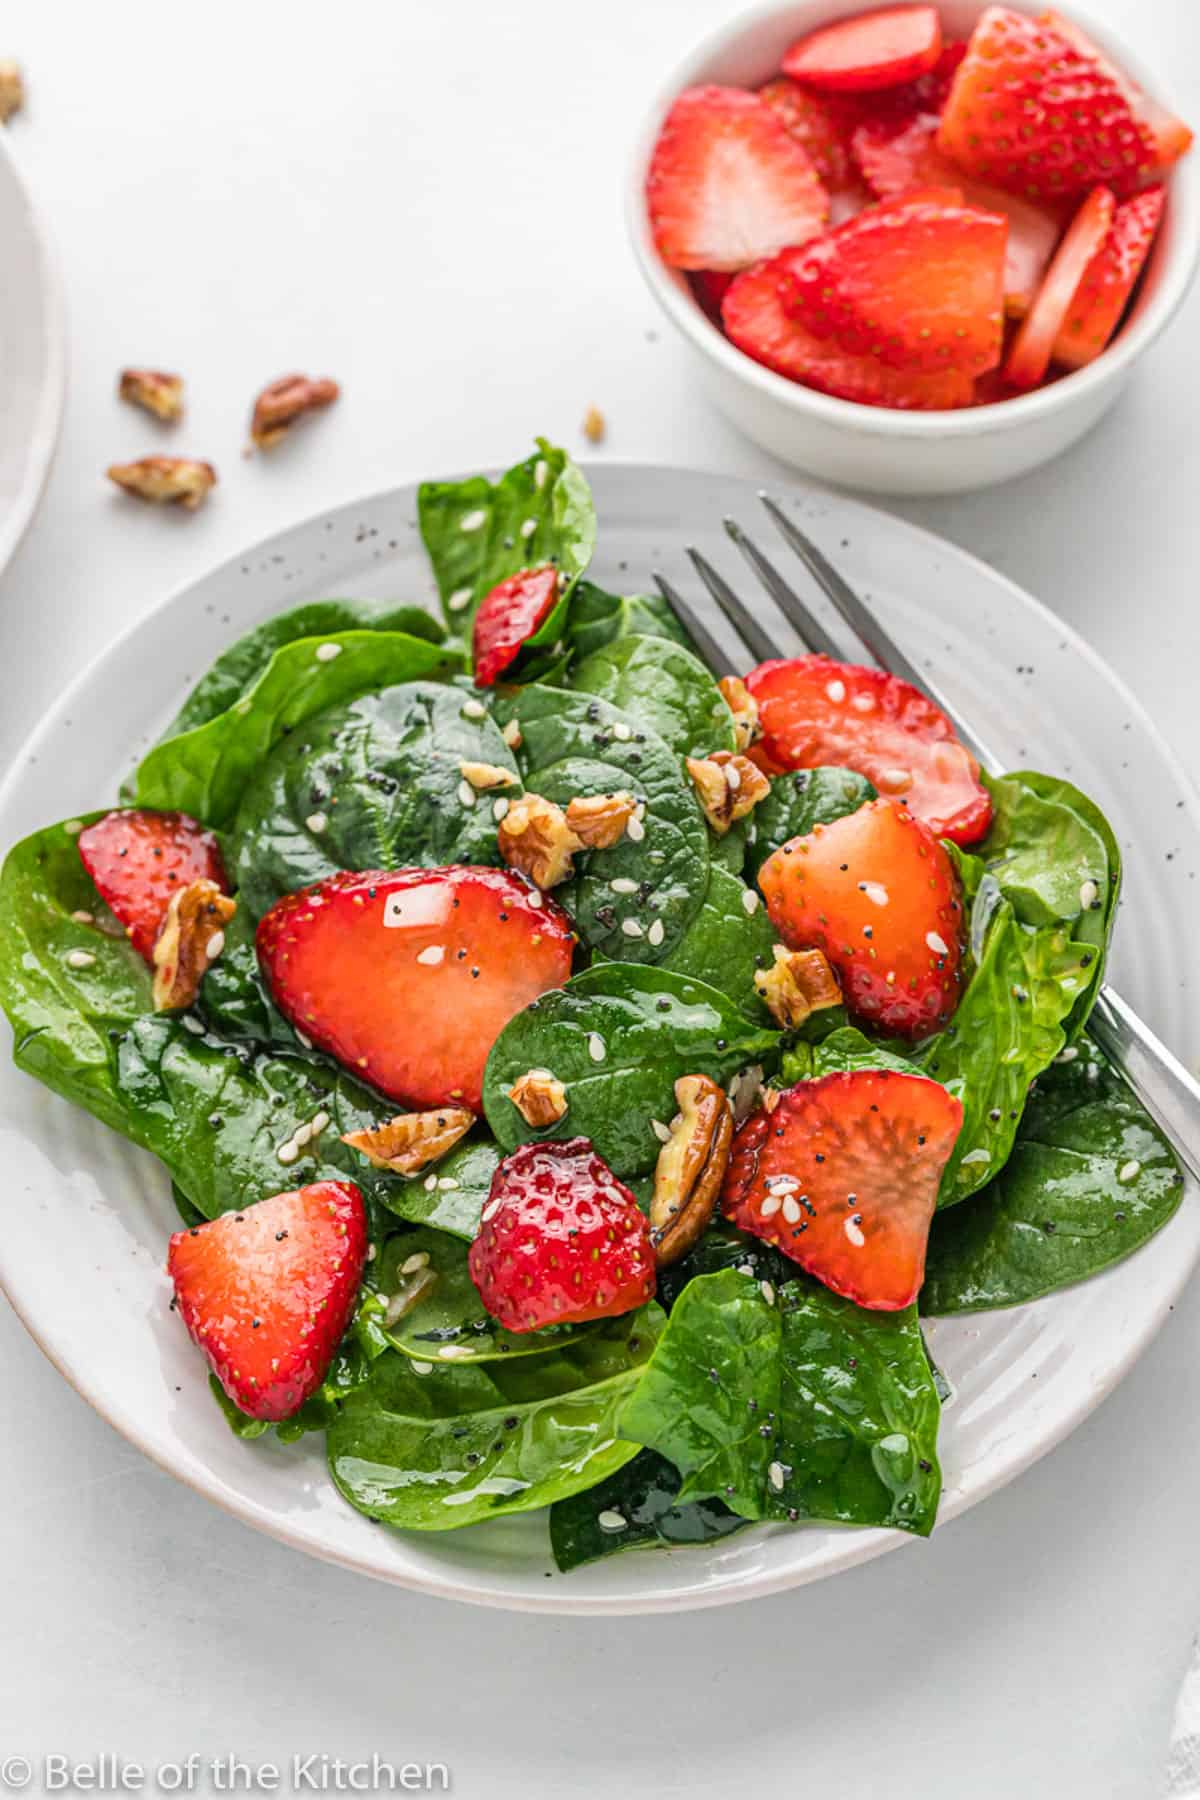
1055	856
216	1113
596	618
375	784
844	1048
728	940
576	745
724	1247
665	687
637	1507
618	1037
431	1452
1009	1025
478	532
801	800
1090	1179
233	995
450	1197
204	771
452	1324
239	667
795	1404
63	1015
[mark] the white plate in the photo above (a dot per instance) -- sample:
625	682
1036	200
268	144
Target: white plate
87	1217
32	357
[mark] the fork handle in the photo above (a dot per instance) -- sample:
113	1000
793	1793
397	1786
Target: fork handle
1170	1095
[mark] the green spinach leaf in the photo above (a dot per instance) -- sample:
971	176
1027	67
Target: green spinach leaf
729	939
375	784
665	687
596	618
452	1196
431	1452
204	771
452	1324
637	1507
479	532
801	800
618	1037
1090	1179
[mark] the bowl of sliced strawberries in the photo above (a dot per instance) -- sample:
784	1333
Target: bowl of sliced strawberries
916	249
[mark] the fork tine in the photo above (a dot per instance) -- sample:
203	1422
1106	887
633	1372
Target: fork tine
711	653
808	627
881	645
760	645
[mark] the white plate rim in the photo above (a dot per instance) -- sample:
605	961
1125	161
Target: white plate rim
856	1546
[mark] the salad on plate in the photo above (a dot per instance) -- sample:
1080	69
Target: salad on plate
579	1075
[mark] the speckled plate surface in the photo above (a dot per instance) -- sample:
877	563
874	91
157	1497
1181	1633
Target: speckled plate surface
32	357
86	1216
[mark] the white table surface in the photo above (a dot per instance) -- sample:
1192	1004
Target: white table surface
424	201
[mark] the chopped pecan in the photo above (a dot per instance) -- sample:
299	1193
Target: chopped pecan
728	786
484	777
179	479
801	982
535	838
539	1097
190	938
12	90
411	1141
744	707
284	401
600	822
594	425
690	1168
153	390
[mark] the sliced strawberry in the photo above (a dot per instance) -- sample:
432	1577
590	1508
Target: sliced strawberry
873	50
823	123
561	1240
929	92
1109	279
878	894
267	1292
842	1176
729	183
710	287
896	156
816	713
408	978
1029	357
1172	138
139	859
1036	109
917	283
755	319
508	616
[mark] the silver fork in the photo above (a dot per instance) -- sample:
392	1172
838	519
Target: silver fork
1159	1079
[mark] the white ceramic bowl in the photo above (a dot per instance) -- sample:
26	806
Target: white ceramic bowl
868	446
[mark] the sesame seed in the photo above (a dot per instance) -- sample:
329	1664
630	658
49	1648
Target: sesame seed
767	1292
316	823
83	918
775	1476
529	526
540	471
656	933
319	1122
1089	893
466	793
596	1047
875	892
416	1261
432	955
288	1153
490	1210
976	1156
306	1042
454	1352
447	1184
750	902
460	598
635	831
632	928
215	945
536	899
937	943
621	731
79	959
863	703
1129	1171
853	1233
430	1184
622	885
1068	1055
327	652
611	1520
836	690
770	1206
193	1025
421	1368
662	1132
895	781
474	709
512	735
473	520
733	778
500	808
791	1210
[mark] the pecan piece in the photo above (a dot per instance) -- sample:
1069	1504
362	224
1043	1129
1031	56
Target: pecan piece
190	938
800	983
535	838
284	401
601	821
744	707
411	1141
12	90
178	479
153	390
486	777
539	1097
594	425
728	786
690	1168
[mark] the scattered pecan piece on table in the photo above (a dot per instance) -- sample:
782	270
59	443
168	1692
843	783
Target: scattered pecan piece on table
539	1097
411	1141
595	425
178	480
154	391
690	1168
189	941
12	90
284	401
